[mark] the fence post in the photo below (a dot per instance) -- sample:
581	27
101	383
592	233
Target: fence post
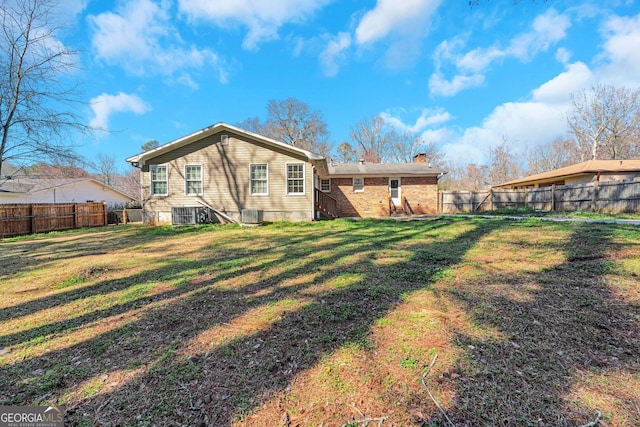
553	197
75	215
596	190
33	228
491	198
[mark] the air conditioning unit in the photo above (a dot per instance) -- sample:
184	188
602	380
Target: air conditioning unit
251	216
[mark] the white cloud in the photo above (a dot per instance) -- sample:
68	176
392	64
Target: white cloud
394	16
437	136
438	85
621	47
563	55
520	124
559	89
262	18
538	120
405	23
546	29
105	105
139	37
334	53
428	117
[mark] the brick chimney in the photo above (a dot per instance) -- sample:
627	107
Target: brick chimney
420	158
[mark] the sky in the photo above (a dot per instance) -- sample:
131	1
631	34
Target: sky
465	78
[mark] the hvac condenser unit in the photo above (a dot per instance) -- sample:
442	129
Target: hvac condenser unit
252	216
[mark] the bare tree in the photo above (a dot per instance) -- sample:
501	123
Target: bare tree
150	145
106	169
293	122
554	155
504	164
375	139
469	177
129	183
407	145
346	153
253	124
36	107
606	122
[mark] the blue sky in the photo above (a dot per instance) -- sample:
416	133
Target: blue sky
464	78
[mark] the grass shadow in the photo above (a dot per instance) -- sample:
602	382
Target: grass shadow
559	333
216	351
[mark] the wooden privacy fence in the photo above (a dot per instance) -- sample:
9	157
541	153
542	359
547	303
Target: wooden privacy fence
22	219
611	196
124	216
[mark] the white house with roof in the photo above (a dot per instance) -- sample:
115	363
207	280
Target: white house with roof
70	190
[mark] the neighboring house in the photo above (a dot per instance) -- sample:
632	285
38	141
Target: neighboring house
71	190
580	173
232	170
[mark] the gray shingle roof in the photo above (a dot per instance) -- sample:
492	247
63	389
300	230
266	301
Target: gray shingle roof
380	169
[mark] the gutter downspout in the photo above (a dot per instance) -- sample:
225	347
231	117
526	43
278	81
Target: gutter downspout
313	193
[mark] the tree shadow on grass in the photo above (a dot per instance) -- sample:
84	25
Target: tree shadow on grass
194	360
557	328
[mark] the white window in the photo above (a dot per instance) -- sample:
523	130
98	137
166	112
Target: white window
259	179
295	178
224	139
193	180
159	183
358	184
325	185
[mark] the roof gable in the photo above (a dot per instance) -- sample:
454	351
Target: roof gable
141	158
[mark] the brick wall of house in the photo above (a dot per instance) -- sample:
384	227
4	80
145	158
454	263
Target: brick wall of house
372	202
421	193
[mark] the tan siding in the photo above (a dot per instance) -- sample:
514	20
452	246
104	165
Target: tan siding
226	172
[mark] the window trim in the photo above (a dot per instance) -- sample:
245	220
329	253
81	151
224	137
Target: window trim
251	179
166	180
287	179
186	180
326	180
358	189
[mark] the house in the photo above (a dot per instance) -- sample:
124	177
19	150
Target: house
227	171
580	173
71	190
376	190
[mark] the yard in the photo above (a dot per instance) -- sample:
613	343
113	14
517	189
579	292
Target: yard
333	323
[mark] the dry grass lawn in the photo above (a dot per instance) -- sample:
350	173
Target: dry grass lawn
338	323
